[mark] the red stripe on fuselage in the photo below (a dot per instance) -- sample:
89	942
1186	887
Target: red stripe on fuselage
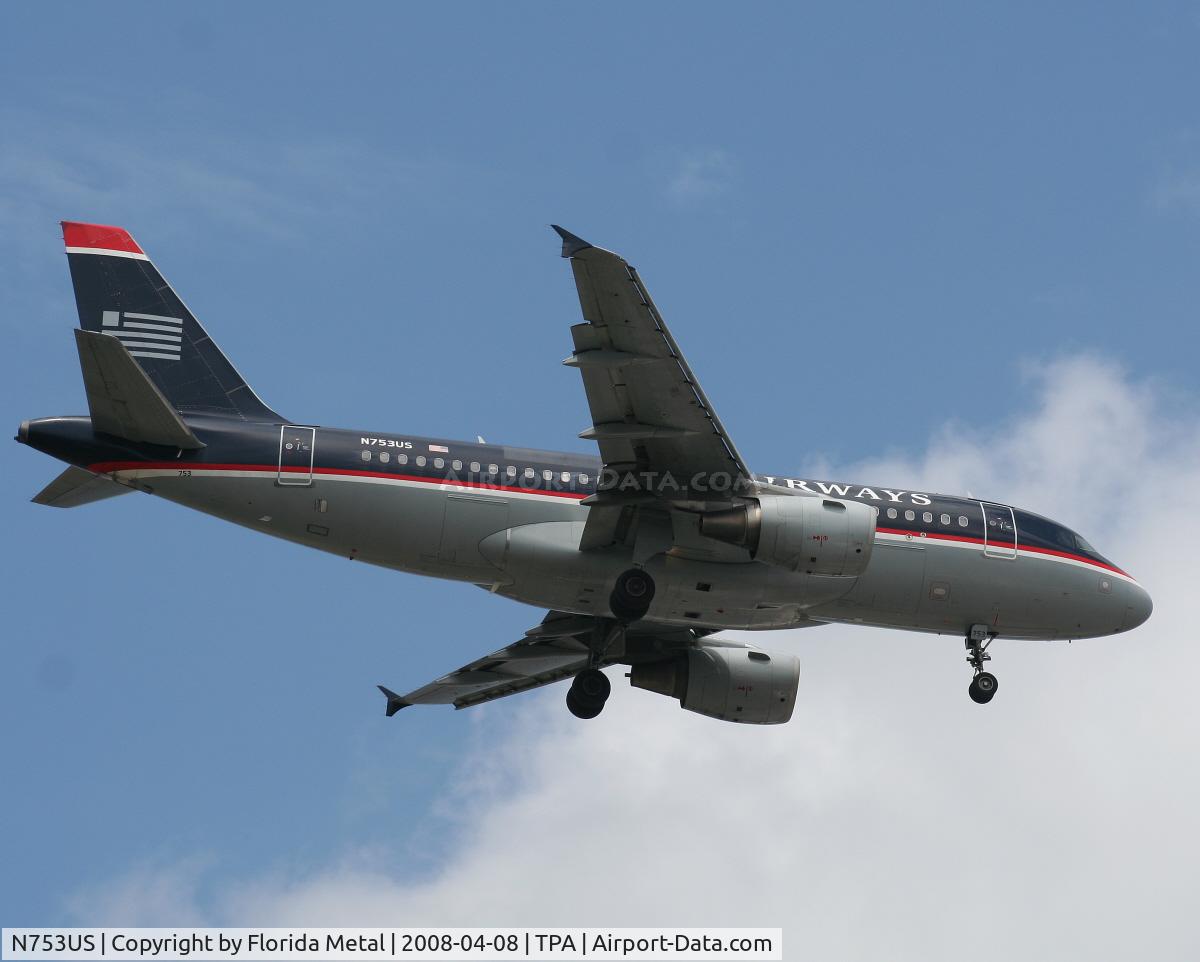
937	536
106	467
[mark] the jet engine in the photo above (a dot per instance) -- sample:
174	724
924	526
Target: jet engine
734	683
818	536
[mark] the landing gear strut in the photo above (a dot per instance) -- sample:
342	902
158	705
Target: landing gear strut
588	693
983	686
631	596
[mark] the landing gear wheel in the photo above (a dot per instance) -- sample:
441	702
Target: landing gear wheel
983	687
580	710
592	685
588	693
631	596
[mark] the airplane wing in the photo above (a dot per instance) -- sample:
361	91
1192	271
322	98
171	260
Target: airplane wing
650	416
647	406
555	650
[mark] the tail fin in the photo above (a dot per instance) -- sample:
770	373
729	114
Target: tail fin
120	292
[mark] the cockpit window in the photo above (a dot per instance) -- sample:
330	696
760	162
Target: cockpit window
1044	533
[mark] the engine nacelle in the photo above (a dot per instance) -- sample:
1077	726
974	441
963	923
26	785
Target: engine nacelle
818	536
731	682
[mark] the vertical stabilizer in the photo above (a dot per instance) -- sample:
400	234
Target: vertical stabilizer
119	292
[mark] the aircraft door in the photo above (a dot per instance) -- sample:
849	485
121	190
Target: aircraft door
999	531
296	446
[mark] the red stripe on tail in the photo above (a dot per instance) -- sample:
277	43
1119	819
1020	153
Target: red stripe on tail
99	236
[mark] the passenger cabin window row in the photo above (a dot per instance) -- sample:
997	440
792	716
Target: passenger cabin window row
927	517
1035	528
493	474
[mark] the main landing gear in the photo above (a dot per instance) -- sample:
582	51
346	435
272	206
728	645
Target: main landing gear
983	685
631	595
629	601
588	693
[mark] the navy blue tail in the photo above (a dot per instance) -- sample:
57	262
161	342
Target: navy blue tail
120	292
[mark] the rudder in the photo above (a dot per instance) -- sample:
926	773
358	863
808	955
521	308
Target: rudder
120	292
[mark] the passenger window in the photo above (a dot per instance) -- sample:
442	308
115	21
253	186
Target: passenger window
457	465
529	473
547	475
511	471
493	469
439	463
583	479
402	459
474	467
910	515
962	521
420	460
366	455
892	513
384	457
566	477
927	517
945	519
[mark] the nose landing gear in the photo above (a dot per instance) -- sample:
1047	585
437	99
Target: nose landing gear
983	686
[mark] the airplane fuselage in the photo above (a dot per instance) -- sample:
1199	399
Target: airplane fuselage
510	519
638	557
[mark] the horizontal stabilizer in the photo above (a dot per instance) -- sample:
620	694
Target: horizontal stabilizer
123	401
394	701
75	486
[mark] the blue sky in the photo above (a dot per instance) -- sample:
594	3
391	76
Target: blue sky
884	236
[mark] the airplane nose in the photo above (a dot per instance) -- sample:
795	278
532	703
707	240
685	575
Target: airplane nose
1137	607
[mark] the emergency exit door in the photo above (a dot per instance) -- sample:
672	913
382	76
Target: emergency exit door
296	455
999	531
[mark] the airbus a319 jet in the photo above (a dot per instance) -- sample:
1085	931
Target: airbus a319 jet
639	556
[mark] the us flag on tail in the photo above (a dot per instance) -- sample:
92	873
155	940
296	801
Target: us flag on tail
146	335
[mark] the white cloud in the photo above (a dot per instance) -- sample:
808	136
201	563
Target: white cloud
147	894
892	818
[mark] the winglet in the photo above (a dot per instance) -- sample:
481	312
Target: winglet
394	701
572	245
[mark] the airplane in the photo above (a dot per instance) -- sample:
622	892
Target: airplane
639	555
